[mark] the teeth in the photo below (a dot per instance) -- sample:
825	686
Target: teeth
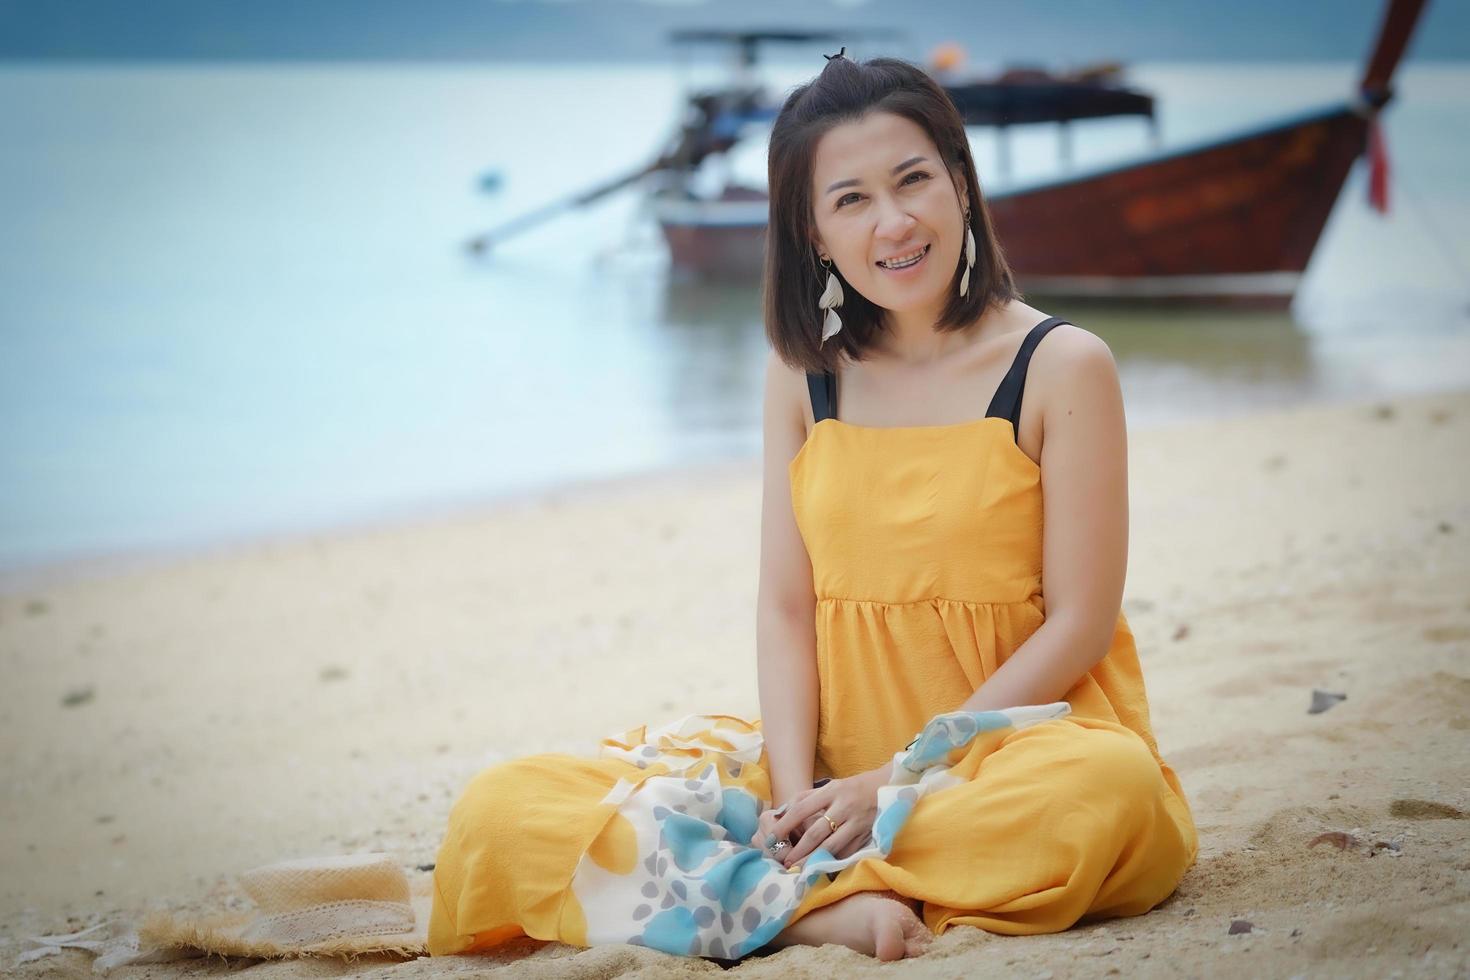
900	263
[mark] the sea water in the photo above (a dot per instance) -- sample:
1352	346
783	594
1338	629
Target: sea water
234	299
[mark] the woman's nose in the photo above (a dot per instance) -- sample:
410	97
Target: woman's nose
893	221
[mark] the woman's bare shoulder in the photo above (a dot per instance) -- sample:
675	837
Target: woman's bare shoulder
1070	347
1073	376
1072	372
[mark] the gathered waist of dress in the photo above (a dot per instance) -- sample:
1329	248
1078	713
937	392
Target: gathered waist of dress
1018	599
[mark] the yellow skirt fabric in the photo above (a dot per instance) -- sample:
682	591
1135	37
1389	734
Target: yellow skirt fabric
533	842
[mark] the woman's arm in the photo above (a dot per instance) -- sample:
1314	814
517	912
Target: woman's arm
786	642
1084	485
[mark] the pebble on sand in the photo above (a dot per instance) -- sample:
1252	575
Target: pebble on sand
1322	700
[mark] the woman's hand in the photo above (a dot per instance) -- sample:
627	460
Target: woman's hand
850	803
766	824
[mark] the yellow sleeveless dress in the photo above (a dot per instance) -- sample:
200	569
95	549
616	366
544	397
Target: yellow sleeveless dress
926	546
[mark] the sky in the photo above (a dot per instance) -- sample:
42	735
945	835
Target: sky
1049	31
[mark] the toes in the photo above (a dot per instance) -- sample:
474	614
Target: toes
889	942
917	945
911	921
917	937
901	933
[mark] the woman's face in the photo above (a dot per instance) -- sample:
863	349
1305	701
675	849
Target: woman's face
892	197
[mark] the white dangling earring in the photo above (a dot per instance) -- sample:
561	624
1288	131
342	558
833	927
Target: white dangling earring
831	299
969	255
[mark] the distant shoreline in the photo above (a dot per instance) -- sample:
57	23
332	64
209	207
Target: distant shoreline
102	564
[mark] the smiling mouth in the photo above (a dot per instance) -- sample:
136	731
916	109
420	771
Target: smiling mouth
907	265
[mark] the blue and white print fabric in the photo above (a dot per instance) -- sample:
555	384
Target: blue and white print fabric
673	868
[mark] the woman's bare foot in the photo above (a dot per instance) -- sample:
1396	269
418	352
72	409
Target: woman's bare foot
881	924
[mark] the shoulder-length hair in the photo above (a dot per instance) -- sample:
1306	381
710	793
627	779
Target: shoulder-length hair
847	91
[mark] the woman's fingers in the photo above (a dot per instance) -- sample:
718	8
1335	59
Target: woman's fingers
791	823
765	829
849	838
811	833
853	839
818	832
801	809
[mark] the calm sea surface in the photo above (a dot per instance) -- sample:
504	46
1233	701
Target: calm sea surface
233	299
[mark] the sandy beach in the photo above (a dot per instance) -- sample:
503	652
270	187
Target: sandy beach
168	725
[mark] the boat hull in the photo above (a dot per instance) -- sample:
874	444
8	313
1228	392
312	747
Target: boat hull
1231	221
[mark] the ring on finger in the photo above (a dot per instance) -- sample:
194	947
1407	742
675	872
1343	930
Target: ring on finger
830	822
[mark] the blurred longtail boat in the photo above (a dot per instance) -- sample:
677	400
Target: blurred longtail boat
1234	220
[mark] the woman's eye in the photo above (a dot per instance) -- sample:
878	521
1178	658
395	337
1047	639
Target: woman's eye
914	173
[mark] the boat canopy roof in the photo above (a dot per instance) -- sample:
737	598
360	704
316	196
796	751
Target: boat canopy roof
1013	103
1015	97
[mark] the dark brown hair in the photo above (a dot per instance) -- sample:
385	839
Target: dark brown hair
847	91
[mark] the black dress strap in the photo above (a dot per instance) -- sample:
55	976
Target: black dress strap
823	389
1007	401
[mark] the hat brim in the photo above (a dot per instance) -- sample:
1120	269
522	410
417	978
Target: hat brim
228	935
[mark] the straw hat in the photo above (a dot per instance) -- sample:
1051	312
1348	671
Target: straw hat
340	905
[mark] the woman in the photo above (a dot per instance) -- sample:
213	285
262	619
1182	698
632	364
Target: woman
904	562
